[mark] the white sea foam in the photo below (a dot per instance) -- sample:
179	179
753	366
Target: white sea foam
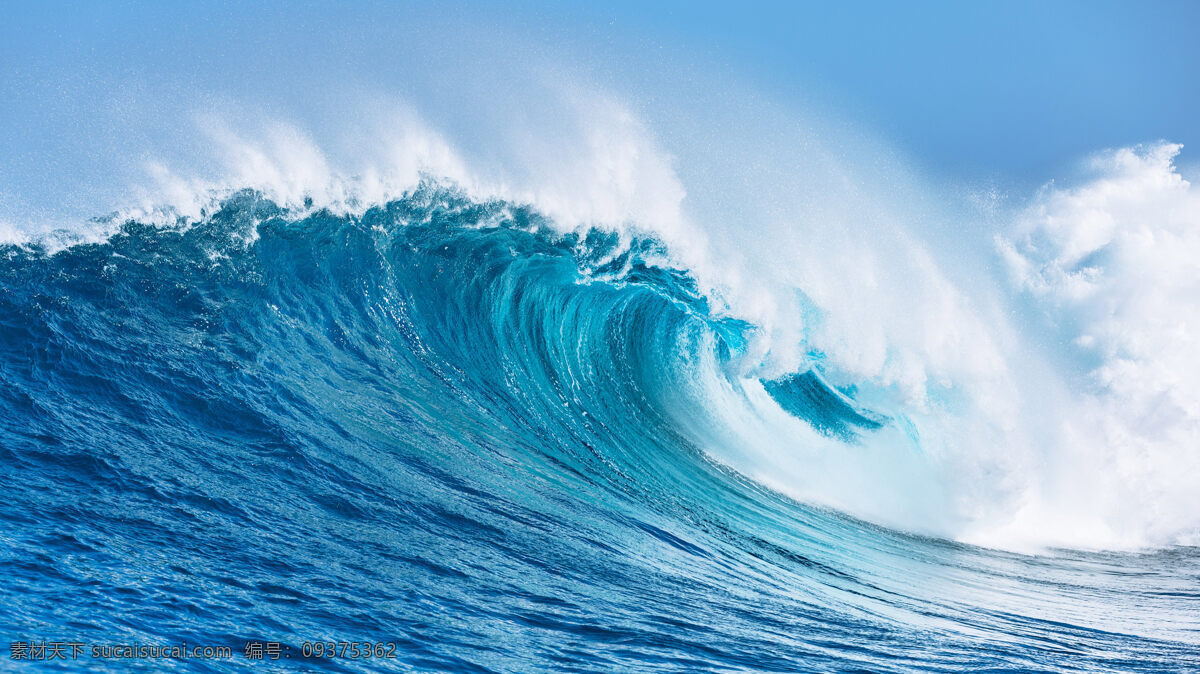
1058	408
1112	262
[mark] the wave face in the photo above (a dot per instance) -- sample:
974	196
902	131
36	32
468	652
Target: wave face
445	423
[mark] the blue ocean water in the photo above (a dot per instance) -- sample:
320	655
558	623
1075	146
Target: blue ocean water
445	425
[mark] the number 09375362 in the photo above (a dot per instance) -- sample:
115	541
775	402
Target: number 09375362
348	649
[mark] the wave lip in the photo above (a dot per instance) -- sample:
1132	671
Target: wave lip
830	411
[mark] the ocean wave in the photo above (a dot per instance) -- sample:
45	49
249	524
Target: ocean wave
1007	416
458	404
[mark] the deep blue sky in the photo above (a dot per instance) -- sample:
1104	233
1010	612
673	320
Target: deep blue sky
1014	90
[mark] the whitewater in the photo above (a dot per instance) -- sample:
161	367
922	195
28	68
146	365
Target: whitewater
601	393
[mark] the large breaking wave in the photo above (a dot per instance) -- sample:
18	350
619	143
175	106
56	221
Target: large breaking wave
488	426
1025	368
638	409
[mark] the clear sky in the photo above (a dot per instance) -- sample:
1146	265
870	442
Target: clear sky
972	89
977	86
